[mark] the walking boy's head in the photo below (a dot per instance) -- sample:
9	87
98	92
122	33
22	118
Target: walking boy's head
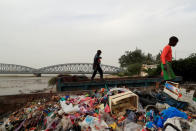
99	52
173	41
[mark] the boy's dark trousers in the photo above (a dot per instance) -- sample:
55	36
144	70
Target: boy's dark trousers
98	68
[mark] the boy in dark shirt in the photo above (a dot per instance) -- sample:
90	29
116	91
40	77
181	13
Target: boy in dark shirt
96	65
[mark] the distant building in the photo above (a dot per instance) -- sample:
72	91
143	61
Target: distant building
145	67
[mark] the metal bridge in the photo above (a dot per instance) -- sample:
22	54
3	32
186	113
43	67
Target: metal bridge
70	68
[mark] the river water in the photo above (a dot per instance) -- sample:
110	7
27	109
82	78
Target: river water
20	84
24	84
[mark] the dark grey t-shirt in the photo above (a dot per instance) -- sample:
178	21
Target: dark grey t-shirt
96	59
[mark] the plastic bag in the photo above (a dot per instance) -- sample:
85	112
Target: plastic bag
160	106
107	118
131	116
101	107
69	108
193	125
132	127
107	108
173	112
169	113
66	123
94	123
176	123
99	125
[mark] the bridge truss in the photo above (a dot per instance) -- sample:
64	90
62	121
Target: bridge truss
70	68
15	69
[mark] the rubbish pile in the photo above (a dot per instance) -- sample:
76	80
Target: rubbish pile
74	78
115	109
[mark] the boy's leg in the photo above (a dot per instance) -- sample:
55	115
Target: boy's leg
170	71
94	73
165	74
168	74
100	72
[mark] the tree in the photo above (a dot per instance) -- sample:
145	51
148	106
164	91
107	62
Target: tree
193	55
158	58
131	57
149	59
134	69
186	67
132	61
154	72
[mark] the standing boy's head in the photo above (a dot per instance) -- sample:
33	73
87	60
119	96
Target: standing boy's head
173	41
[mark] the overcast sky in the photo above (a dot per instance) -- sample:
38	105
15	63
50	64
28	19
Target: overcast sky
40	33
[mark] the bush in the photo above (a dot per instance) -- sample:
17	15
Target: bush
154	72
186	68
133	69
136	56
52	81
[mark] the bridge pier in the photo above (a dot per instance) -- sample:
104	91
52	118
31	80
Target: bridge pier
38	74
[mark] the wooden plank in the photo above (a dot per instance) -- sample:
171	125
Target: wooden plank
115	100
143	82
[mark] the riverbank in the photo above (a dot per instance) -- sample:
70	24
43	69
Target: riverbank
94	109
22	84
13	84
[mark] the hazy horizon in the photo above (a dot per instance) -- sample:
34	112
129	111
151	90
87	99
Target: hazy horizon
47	32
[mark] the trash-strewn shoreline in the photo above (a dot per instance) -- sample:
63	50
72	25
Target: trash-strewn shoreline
92	111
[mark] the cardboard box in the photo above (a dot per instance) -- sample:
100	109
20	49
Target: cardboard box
180	94
120	102
172	89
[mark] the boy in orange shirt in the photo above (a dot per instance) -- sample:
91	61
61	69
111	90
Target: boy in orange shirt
166	59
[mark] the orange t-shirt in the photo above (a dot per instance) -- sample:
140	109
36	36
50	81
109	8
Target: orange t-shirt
166	54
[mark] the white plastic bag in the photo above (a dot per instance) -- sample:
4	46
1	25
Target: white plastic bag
69	108
132	127
176	122
94	123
